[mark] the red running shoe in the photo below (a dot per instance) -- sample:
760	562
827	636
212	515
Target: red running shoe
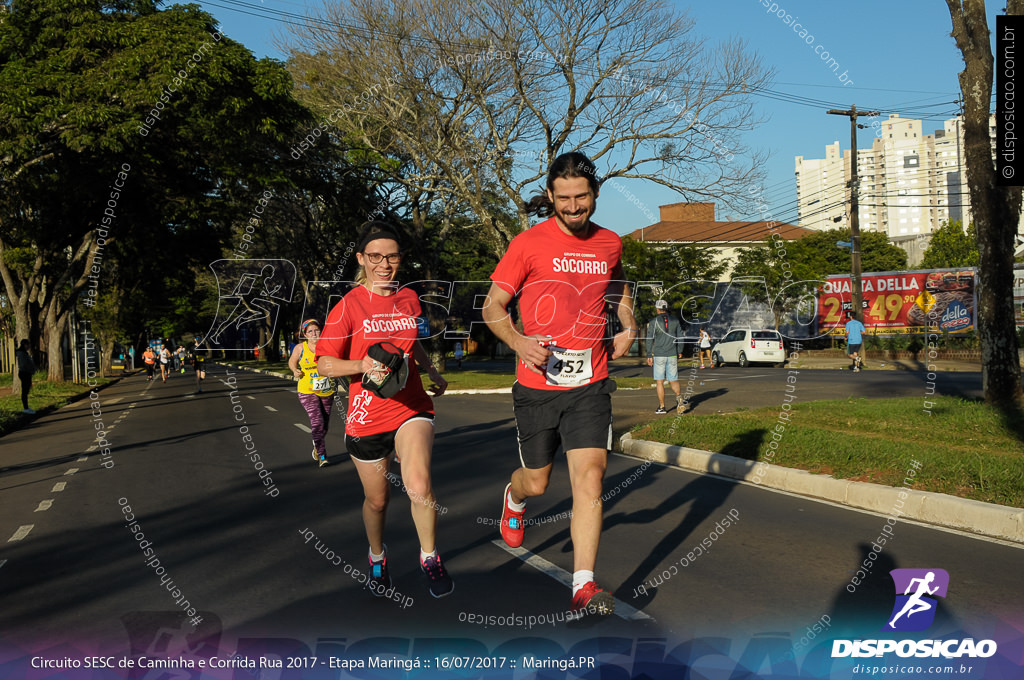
511	521
593	599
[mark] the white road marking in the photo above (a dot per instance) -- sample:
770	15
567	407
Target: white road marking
622	610
2	563
44	505
21	533
270	408
59	486
114	400
82	459
739	377
71	471
91	449
249	396
304	428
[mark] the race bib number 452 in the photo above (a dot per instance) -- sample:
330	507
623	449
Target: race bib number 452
569	367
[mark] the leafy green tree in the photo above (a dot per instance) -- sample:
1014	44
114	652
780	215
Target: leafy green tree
952	247
877	254
684	275
780	274
150	116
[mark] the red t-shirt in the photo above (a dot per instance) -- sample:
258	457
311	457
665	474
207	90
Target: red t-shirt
362	319
562	280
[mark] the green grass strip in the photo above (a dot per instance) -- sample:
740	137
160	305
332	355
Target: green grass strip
966	448
43	395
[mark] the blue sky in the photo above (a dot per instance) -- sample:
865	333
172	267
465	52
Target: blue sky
897	53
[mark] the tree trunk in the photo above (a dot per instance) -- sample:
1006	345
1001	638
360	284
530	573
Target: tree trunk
996	208
54	355
107	356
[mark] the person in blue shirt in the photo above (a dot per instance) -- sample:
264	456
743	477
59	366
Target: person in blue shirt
854	339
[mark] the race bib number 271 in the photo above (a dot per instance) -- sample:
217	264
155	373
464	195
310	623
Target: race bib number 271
569	367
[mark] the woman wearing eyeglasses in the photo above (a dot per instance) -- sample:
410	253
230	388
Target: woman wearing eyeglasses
378	311
316	393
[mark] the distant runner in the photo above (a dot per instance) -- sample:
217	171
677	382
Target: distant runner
149	357
854	339
316	392
199	365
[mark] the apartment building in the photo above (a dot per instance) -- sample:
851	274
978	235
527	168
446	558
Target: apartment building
910	183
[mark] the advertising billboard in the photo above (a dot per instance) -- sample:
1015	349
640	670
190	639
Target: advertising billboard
903	303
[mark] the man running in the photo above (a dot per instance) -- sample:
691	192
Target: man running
563	269
854	340
165	361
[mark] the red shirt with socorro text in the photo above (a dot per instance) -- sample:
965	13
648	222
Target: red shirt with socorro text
562	281
361	319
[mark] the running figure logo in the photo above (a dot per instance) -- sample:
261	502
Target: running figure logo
915	611
257	290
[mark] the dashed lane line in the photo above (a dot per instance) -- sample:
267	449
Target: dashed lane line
71	471
44	505
21	533
304	428
622	610
270	408
59	486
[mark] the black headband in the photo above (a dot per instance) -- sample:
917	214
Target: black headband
376	234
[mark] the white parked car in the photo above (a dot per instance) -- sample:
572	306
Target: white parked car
745	346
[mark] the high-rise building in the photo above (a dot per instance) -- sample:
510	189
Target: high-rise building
909	182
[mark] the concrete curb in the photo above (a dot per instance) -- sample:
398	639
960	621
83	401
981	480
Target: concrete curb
986	519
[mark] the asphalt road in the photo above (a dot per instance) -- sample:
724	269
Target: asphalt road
72	575
730	388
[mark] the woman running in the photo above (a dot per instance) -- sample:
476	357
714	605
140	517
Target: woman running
377	311
316	393
705	348
199	365
150	358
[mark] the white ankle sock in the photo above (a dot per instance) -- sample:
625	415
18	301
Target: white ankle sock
518	507
581	578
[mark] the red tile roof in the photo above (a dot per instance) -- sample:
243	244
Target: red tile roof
722	232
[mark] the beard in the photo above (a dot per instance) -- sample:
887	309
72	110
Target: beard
574	225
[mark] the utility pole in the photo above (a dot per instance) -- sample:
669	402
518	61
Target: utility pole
858	294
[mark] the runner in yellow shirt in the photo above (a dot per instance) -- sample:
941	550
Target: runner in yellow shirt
316	392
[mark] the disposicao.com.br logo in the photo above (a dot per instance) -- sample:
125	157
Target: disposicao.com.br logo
914	610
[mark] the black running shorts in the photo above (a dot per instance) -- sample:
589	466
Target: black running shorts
374	447
580	418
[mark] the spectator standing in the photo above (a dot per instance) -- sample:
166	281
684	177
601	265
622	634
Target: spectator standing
26	367
663	334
